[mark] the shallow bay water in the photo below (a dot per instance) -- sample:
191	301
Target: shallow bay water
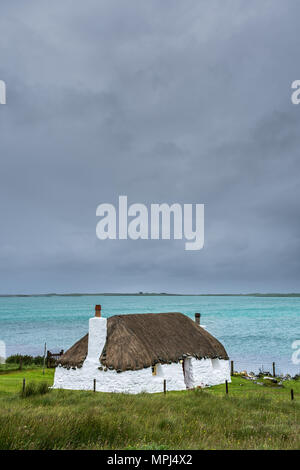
254	330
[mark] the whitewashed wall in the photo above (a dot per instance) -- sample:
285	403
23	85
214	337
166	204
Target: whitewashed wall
203	372
140	380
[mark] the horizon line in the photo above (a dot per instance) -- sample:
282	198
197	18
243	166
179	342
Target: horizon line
78	294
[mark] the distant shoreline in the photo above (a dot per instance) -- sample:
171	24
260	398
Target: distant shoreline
153	294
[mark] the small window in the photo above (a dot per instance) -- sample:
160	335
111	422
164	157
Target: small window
154	370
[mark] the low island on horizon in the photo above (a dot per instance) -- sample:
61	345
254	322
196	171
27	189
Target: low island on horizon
82	294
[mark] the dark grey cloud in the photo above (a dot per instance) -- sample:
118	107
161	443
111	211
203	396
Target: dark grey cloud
165	102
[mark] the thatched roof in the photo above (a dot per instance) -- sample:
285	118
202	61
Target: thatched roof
141	340
76	355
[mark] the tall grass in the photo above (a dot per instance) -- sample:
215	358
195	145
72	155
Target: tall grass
250	417
179	420
35	388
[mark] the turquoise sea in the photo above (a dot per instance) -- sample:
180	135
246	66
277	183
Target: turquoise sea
255	330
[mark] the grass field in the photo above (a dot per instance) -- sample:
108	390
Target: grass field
250	417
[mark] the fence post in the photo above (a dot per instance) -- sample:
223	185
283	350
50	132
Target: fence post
23	387
226	386
44	359
292	394
232	368
165	386
274	372
21	364
94	385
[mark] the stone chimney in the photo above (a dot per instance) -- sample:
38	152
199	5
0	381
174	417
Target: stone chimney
197	318
97	336
98	311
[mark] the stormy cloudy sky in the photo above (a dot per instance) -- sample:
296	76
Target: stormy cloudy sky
162	101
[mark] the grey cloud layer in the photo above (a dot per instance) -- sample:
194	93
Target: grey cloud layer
165	102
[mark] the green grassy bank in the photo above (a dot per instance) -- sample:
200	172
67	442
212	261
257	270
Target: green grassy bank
250	417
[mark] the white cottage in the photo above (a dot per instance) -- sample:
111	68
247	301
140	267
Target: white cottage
136	353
